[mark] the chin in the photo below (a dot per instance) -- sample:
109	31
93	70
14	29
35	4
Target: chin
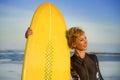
85	49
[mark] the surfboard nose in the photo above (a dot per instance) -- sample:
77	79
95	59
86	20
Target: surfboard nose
47	55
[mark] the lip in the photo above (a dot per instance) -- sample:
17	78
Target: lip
85	46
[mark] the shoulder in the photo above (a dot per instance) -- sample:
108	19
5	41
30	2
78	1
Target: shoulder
73	57
92	56
74	60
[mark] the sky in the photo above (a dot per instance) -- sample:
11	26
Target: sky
100	19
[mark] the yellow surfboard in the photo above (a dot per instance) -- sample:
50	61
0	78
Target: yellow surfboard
47	55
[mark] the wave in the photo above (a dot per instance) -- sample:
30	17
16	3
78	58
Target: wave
10	57
5	60
13	56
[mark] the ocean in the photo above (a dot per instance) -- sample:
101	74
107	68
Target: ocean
11	65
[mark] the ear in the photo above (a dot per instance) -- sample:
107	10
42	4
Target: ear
73	45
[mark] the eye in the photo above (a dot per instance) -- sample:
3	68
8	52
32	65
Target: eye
81	39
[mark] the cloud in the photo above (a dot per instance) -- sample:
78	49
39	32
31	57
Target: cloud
13	24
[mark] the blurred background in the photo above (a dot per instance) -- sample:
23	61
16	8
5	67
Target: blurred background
100	19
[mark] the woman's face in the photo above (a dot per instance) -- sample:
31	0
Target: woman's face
81	43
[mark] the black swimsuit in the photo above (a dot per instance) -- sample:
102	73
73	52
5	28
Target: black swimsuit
85	68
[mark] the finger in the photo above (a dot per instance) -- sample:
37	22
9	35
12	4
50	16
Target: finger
30	32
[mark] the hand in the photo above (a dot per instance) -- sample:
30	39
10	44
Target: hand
28	33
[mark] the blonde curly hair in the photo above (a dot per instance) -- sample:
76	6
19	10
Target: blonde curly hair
72	35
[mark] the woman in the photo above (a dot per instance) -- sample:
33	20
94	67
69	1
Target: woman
83	66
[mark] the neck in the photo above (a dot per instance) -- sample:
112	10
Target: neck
80	54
